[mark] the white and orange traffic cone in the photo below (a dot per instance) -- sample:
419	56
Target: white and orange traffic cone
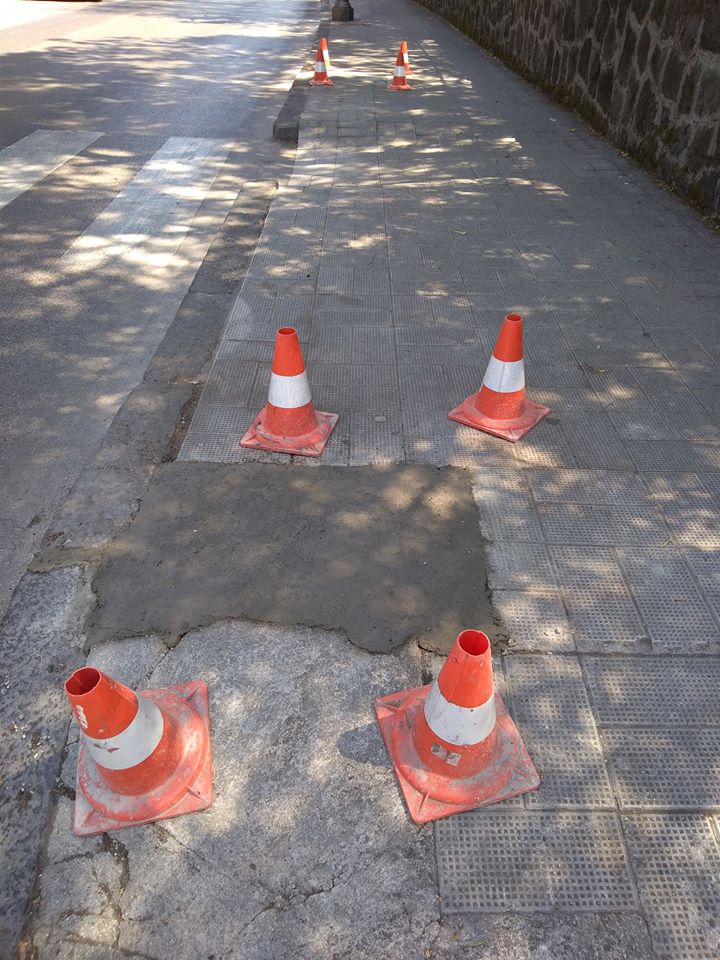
322	60
453	744
325	53
289	423
399	80
500	406
143	757
406	58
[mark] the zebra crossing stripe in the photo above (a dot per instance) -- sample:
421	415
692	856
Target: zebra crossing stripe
148	220
25	163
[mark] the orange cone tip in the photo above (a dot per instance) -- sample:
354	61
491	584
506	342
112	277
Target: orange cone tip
500	406
452	743
322	62
143	757
399	80
289	423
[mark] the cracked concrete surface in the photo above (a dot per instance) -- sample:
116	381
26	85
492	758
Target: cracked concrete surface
306	852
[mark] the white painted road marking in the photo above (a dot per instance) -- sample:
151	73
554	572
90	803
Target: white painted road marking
26	162
146	223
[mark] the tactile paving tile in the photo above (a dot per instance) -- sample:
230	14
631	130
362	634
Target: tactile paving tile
661	768
694	524
669	600
593	438
587	486
571	767
648	690
677	863
675	456
705	564
548	692
351	345
376	438
520	566
534	621
600	606
599	525
506	510
494	862
231	382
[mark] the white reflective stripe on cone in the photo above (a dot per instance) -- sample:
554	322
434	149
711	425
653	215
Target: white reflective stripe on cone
505	376
289	392
136	742
319	66
463	726
399	71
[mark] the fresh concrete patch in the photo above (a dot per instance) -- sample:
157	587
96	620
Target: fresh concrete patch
42	639
383	554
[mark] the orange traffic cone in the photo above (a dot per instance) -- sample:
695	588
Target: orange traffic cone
453	745
399	80
325	53
500	406
322	61
289	423
143	757
406	58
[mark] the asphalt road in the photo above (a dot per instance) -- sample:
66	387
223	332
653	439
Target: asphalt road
126	130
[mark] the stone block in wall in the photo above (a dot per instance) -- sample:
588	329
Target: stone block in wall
673	74
710	36
627	55
687	92
643	48
708	101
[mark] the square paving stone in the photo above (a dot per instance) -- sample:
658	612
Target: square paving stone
669	600
587	486
662	691
506	509
601	609
534	621
676	860
664	768
600	525
520	566
527	861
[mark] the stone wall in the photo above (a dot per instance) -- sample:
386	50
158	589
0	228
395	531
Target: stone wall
644	72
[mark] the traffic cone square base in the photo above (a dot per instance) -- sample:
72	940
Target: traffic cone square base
468	414
305	445
188	705
509	773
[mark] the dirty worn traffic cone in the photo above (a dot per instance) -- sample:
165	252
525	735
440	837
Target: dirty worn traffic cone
143	757
399	80
325	53
453	745
406	58
289	423
500	406
321	77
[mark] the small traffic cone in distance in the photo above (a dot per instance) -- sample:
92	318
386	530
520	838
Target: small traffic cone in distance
143	757
406	58
289	423
325	53
500	406
399	80
453	744
321	77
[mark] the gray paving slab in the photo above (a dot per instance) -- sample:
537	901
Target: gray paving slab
656	691
493	861
663	768
677	861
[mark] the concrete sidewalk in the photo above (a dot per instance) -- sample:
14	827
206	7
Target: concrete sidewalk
413	222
